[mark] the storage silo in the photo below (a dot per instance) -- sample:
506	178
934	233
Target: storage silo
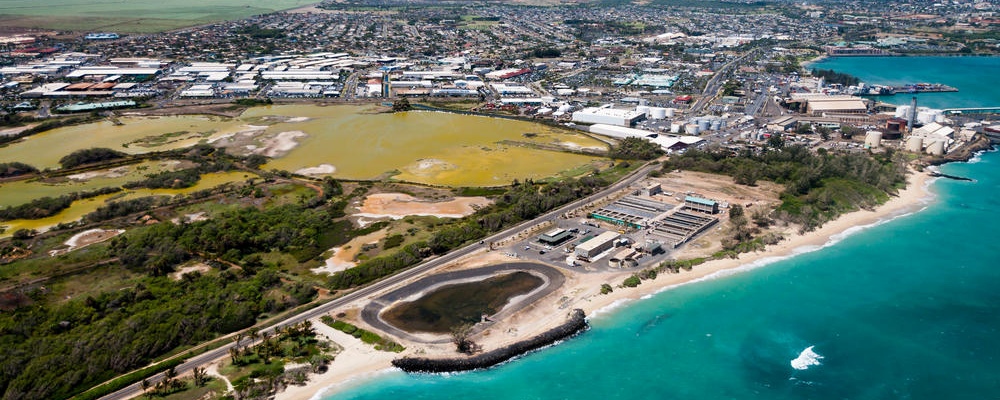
915	144
670	112
675	128
642	110
658	112
873	139
936	148
704	124
691	129
716	124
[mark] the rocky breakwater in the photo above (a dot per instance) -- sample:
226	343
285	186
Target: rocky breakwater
576	323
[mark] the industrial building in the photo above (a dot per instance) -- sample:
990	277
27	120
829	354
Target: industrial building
554	237
818	104
700	204
586	251
608	116
631	211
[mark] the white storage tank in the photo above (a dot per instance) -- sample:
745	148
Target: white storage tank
704	125
716	124
936	148
675	128
658	112
670	112
873	139
691	129
642	109
915	144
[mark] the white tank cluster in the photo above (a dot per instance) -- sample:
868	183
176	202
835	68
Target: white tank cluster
924	115
706	124
656	112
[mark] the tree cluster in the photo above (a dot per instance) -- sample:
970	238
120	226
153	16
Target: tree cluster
87	156
831	76
9	169
48	206
634	148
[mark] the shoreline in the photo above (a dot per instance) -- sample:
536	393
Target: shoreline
582	291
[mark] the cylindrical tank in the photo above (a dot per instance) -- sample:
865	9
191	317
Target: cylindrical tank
704	124
691	129
643	102
902	112
936	148
915	144
670	112
873	139
658	112
675	128
716	124
642	109
925	117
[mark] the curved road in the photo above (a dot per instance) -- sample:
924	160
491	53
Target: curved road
200	360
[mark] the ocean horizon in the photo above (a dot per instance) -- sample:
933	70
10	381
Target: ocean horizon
903	308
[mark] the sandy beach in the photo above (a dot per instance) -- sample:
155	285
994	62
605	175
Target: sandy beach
582	290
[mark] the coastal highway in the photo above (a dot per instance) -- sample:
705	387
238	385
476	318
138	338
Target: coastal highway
369	291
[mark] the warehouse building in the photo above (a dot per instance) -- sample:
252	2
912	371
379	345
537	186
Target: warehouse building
586	251
554	237
608	116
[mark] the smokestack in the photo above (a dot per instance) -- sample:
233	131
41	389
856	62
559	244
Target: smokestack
913	115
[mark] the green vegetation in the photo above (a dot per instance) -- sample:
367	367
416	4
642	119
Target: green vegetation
635	149
88	156
257	370
831	76
124	381
10	169
122	208
632	281
401	105
606	288
818	187
251	102
366	336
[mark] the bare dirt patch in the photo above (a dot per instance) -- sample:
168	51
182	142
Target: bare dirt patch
399	205
199	267
87	238
343	256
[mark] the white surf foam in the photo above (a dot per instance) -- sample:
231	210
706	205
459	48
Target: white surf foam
806	359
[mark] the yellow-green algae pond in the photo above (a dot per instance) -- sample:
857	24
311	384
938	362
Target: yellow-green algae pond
348	142
83	207
418	146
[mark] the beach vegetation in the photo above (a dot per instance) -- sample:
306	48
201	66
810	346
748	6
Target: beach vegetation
606	288
366	336
632	281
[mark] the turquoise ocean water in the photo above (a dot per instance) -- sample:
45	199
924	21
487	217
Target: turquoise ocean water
974	77
907	309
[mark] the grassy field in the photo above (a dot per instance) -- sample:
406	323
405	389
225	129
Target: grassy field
132	16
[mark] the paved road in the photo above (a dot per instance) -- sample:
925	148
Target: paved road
135	390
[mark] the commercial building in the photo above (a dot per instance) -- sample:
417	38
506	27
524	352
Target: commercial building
588	250
609	116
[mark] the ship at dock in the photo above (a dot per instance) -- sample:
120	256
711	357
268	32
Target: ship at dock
864	89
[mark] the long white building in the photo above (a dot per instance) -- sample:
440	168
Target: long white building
608	116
